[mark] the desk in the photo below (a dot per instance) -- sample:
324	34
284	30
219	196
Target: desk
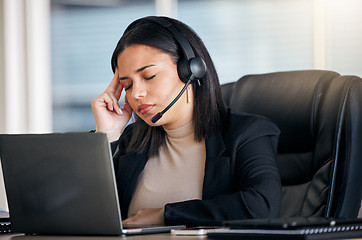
161	236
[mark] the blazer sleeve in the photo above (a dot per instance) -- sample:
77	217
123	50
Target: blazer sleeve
250	185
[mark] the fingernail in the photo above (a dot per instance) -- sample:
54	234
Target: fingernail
120	111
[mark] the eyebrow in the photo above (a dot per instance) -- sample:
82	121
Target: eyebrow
138	70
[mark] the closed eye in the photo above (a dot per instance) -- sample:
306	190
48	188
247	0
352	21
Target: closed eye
149	78
128	87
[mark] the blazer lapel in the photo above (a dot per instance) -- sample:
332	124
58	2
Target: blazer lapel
215	147
128	179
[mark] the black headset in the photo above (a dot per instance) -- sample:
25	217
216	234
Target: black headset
190	66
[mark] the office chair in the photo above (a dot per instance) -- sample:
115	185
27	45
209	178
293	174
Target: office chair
319	114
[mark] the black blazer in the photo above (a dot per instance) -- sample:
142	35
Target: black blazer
241	175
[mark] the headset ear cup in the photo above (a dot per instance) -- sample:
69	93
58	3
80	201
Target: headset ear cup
195	66
182	69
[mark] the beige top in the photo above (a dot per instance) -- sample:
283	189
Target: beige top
176	175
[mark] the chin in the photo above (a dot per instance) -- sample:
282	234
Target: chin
156	124
148	121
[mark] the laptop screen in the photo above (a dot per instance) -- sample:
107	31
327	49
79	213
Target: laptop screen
61	183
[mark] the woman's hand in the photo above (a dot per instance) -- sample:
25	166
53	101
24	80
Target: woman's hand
146	216
109	116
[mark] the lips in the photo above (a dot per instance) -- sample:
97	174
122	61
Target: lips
145	108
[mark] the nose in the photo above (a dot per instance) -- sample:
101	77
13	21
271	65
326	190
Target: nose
138	90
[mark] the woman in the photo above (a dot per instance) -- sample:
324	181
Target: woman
200	163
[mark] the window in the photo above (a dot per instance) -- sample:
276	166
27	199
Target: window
243	37
83	37
252	36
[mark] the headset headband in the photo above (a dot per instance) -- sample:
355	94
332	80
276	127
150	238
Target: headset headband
189	67
180	38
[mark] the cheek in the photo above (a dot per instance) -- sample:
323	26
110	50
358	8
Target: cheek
170	87
130	101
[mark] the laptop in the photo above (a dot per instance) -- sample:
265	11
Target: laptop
308	228
63	184
4	222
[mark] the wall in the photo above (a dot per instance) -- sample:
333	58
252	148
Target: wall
2	82
25	93
3	203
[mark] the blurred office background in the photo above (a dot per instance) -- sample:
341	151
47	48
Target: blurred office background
243	37
55	54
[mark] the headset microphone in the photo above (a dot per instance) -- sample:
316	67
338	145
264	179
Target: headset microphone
160	114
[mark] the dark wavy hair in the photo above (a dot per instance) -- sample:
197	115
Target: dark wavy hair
209	105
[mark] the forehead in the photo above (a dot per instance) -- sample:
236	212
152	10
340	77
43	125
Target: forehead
137	56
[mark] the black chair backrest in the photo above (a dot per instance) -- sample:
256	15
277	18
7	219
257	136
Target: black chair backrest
319	114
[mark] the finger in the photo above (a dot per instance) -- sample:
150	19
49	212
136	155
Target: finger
113	86
109	101
128	220
116	106
119	90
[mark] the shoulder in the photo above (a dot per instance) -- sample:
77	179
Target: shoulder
248	125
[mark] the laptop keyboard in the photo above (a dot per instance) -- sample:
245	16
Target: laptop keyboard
335	229
5	227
